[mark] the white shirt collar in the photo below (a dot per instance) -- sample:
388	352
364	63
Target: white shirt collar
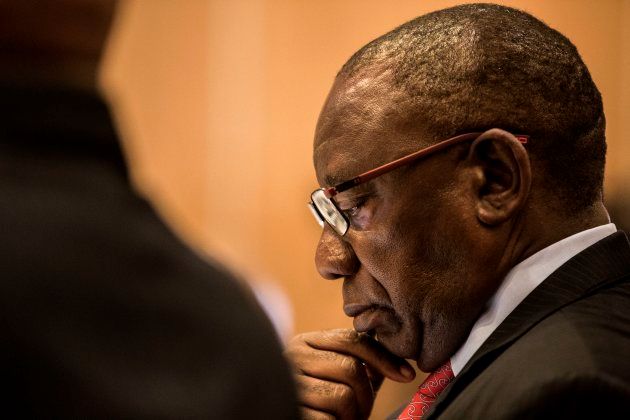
520	282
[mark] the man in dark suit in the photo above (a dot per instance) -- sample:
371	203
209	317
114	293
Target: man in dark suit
461	158
104	312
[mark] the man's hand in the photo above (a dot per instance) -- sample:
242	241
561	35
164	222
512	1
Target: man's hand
339	371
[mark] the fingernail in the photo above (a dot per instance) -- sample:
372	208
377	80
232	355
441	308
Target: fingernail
407	372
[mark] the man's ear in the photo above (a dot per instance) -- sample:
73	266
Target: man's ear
502	176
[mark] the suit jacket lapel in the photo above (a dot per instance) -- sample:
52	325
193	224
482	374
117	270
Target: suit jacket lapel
597	266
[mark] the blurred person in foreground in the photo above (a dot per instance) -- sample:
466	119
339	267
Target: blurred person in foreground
104	312
485	254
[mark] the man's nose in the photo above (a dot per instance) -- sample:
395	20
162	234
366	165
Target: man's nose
335	257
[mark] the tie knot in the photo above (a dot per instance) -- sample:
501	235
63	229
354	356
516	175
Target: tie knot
428	392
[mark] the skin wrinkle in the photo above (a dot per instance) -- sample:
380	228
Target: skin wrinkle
342	393
438	257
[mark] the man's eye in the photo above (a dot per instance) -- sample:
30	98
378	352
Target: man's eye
354	211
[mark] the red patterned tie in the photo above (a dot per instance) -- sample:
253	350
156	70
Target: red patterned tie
428	392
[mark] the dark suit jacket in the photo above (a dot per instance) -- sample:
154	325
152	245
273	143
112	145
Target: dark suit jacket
103	311
564	352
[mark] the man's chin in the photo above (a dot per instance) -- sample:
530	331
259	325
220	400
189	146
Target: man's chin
399	344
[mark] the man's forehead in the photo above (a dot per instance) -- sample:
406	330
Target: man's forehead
337	161
358	127
351	153
352	100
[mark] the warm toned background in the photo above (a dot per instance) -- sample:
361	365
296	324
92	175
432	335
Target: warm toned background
217	101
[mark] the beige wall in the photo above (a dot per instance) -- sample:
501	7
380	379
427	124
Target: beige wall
218	99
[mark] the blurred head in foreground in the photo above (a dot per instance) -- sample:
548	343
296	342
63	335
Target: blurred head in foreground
53	41
105	312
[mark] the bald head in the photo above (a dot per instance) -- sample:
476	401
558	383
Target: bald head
478	66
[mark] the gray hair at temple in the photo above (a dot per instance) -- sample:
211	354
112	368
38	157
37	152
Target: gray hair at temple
478	66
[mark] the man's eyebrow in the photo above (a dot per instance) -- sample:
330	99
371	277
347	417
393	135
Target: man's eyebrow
341	171
332	180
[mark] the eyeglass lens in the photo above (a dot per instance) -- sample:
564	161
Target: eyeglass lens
329	212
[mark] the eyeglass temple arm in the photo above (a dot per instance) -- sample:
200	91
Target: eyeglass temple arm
371	174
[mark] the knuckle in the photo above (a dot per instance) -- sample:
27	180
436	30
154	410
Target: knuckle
303	387
339	333
308	390
318	338
344	394
352	366
341	336
292	351
295	366
352	336
297	340
330	335
298	344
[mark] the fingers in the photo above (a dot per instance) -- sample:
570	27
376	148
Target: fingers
310	414
365	348
339	371
342	371
330	397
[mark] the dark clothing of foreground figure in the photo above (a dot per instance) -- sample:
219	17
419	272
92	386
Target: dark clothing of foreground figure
105	313
563	352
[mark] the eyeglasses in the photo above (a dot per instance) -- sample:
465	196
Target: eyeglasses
326	210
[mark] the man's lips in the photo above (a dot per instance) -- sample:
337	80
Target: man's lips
354	309
368	317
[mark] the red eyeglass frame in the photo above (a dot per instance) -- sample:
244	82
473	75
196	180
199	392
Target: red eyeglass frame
383	169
